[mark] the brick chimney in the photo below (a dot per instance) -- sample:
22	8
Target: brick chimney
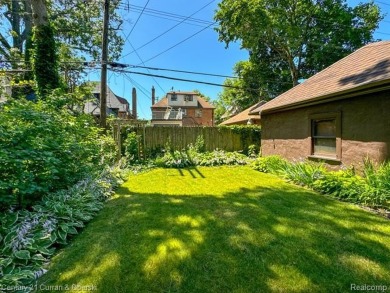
153	96
134	102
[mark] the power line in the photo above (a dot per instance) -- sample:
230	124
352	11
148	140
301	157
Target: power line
177	44
381	33
182	79
384	3
180	71
141	89
166	15
148	69
139	16
160	35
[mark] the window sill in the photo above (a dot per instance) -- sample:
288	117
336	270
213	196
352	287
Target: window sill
328	160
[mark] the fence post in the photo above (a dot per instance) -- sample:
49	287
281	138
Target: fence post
119	140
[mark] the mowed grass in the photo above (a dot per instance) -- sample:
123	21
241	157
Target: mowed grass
224	229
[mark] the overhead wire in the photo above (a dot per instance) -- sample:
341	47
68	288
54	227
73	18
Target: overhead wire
183	79
138	87
170	29
177	44
139	57
168	15
136	22
180	71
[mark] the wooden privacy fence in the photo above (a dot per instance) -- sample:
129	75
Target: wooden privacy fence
153	139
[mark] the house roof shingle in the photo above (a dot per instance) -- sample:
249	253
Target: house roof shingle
366	67
249	113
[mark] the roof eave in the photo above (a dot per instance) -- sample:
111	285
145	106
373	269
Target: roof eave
354	92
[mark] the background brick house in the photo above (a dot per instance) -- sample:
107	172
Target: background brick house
182	109
340	115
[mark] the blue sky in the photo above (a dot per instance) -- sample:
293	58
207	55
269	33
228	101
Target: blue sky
192	45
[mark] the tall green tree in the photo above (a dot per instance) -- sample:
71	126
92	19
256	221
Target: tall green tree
76	24
45	58
289	40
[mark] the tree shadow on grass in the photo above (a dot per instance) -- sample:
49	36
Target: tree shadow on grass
282	239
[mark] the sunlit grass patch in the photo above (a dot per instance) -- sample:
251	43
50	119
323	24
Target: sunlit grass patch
224	229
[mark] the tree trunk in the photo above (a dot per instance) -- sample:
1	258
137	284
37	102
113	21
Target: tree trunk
15	22
293	70
45	53
39	12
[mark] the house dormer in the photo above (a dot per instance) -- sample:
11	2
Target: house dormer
182	99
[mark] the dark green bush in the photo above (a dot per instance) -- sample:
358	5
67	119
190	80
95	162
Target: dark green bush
372	189
131	145
44	148
304	173
200	146
270	164
190	157
28	238
344	185
250	135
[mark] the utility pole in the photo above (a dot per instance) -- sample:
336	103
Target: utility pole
103	78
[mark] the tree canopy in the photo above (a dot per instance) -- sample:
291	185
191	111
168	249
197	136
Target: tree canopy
290	40
77	24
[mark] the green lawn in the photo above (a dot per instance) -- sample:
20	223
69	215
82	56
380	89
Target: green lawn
224	229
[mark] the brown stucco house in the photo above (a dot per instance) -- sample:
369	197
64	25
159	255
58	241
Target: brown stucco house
340	115
182	109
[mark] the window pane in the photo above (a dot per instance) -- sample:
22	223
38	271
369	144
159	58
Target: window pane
324	146
325	128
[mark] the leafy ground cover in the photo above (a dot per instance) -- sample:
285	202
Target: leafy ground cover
223	229
370	186
28	238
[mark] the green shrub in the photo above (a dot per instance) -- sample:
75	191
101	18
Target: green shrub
200	145
191	157
43	149
132	147
219	157
270	164
303	173
344	185
253	151
249	135
372	189
28	238
377	183
174	159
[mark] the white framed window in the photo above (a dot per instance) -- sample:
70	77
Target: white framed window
325	137
198	113
188	98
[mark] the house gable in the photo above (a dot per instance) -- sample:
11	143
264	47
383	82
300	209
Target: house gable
116	105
